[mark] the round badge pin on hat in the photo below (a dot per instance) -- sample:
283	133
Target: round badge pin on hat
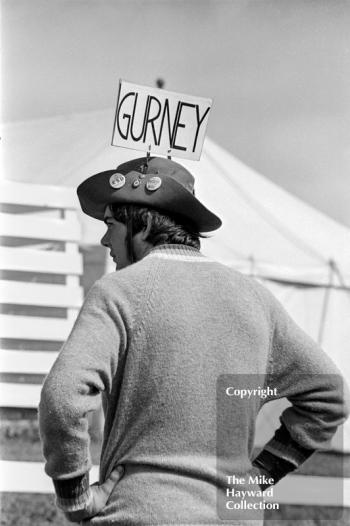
117	180
153	184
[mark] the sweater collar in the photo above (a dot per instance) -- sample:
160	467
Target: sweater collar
177	252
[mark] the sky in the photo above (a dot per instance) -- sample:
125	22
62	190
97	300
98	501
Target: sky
278	71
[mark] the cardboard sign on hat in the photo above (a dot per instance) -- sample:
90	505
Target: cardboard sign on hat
159	121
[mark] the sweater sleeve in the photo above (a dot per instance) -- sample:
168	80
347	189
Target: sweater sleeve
84	368
303	373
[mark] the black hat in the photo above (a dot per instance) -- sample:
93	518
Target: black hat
154	182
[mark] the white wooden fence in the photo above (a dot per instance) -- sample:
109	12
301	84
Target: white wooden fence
40	291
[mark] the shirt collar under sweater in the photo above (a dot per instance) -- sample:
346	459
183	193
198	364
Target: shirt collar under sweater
176	252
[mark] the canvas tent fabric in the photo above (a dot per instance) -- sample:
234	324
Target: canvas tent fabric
302	255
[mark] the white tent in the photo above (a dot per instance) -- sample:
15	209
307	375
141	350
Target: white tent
302	255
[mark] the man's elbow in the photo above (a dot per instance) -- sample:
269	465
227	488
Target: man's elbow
54	406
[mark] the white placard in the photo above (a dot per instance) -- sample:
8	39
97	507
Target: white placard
159	121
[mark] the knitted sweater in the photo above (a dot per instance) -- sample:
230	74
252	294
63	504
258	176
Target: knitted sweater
162	340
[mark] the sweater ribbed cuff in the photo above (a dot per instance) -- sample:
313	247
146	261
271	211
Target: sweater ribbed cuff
284	446
272	466
281	455
73	494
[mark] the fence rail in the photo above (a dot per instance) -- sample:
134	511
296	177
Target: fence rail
47	261
26	362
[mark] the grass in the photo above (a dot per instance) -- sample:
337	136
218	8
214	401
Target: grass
23	509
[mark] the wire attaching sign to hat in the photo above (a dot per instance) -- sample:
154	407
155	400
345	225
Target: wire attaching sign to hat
158	121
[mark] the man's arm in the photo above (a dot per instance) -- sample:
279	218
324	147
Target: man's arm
303	373
84	368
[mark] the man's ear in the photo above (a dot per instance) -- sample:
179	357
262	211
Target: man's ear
146	232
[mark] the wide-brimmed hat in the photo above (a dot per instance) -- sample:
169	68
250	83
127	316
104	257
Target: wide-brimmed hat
154	182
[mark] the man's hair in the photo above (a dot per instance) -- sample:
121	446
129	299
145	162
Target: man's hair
165	229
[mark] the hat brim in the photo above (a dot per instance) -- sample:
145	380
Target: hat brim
95	193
